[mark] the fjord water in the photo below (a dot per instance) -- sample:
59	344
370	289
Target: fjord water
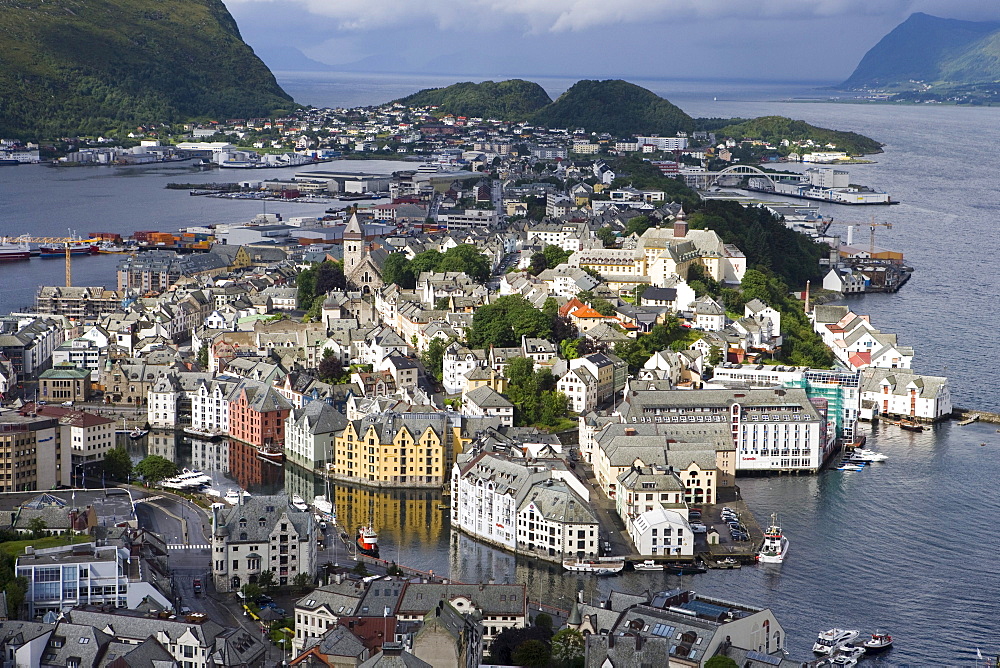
905	546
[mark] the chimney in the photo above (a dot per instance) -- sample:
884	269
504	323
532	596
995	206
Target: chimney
807	296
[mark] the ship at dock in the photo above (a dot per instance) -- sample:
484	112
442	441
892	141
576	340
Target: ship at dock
10	252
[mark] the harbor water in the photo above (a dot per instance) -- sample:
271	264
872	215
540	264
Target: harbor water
903	546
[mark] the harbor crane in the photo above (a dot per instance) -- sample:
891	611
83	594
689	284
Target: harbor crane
871	226
68	243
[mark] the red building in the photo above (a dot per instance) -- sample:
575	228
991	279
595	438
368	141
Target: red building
257	414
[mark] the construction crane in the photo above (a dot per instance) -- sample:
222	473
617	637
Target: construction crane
68	243
871	226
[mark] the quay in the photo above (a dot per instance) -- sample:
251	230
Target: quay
968	416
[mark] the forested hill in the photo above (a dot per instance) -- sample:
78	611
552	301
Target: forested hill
930	49
774	129
615	106
612	106
511	100
89	66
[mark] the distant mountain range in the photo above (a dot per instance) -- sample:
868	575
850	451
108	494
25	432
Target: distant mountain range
931	50
613	106
90	66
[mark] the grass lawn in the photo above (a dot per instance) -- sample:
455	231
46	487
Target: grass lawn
15	548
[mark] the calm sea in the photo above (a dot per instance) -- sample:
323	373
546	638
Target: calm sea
904	546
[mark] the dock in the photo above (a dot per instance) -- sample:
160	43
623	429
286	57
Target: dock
744	552
969	420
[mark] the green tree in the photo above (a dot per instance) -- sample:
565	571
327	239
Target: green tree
251	592
155	468
203	356
554	256
607	236
715	355
637	225
568	647
532	653
360	569
396	270
570	348
720	661
603	306
118	464
467	258
503	322
544	621
266	580
38	527
433	357
302	581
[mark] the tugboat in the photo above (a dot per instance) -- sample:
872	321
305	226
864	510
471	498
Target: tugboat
367	541
879	642
775	545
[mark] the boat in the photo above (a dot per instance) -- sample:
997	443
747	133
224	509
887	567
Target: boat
846	655
648	565
324	508
879	642
863	455
595	567
848	466
911	425
299	503
775	545
367	541
728	562
233	496
829	641
203	434
271	453
685	569
108	247
56	251
10	252
137	433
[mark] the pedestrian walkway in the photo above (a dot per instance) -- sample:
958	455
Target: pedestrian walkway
175	546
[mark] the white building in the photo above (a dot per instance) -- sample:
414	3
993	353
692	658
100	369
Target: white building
318	611
310	432
662	532
457	362
580	387
162	401
900	393
484	401
71	575
209	407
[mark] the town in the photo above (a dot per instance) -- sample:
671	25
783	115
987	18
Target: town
551	325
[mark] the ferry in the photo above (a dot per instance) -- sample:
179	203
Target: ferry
595	567
829	641
775	545
367	541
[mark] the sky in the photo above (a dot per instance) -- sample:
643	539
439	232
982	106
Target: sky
772	40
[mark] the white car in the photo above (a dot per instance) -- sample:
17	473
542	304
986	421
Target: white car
698	527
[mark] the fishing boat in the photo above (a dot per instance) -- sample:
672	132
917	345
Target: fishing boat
775	545
10	252
272	453
56	251
879	642
595	567
685	569
367	540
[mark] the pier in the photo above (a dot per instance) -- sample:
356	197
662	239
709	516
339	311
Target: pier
968	416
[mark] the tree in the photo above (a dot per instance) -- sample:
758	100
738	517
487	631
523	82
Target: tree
329	368
118	464
203	356
554	255
266	579
509	639
714	355
720	661
607	236
503	322
532	653
568	647
155	468
330	276
251	592
302	580
396	270
467	258
538	264
637	225
544	621
433	357
360	569
603	306
38	527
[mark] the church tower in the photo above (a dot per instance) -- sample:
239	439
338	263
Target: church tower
354	241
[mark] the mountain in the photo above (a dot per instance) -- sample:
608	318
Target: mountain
90	66
614	106
932	50
514	99
285	58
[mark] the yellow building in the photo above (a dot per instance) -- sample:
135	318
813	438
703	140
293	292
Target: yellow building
397	450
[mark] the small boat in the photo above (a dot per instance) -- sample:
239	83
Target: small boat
595	567
648	565
846	655
324	508
829	641
863	455
137	433
233	496
271	453
911	425
728	562
367	541
299	503
685	569
847	466
203	434
879	642
775	545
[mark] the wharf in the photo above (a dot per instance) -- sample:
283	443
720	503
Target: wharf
741	551
968	416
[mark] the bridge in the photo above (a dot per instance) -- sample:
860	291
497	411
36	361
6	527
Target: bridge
705	180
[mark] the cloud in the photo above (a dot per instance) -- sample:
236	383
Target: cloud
542	16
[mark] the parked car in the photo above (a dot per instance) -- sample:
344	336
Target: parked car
694	515
739	536
274	606
698	527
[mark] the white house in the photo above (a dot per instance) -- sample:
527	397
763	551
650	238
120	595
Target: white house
662	532
900	393
486	402
457	362
580	387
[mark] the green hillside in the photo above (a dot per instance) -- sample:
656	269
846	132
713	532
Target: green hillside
90	66
614	106
775	128
511	100
933	50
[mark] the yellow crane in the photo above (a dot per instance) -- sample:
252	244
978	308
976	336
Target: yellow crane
68	243
871	226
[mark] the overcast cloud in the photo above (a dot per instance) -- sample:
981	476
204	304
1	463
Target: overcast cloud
742	39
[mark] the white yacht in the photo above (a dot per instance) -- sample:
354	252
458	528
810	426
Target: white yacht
831	640
232	497
863	455
299	503
846	656
775	545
